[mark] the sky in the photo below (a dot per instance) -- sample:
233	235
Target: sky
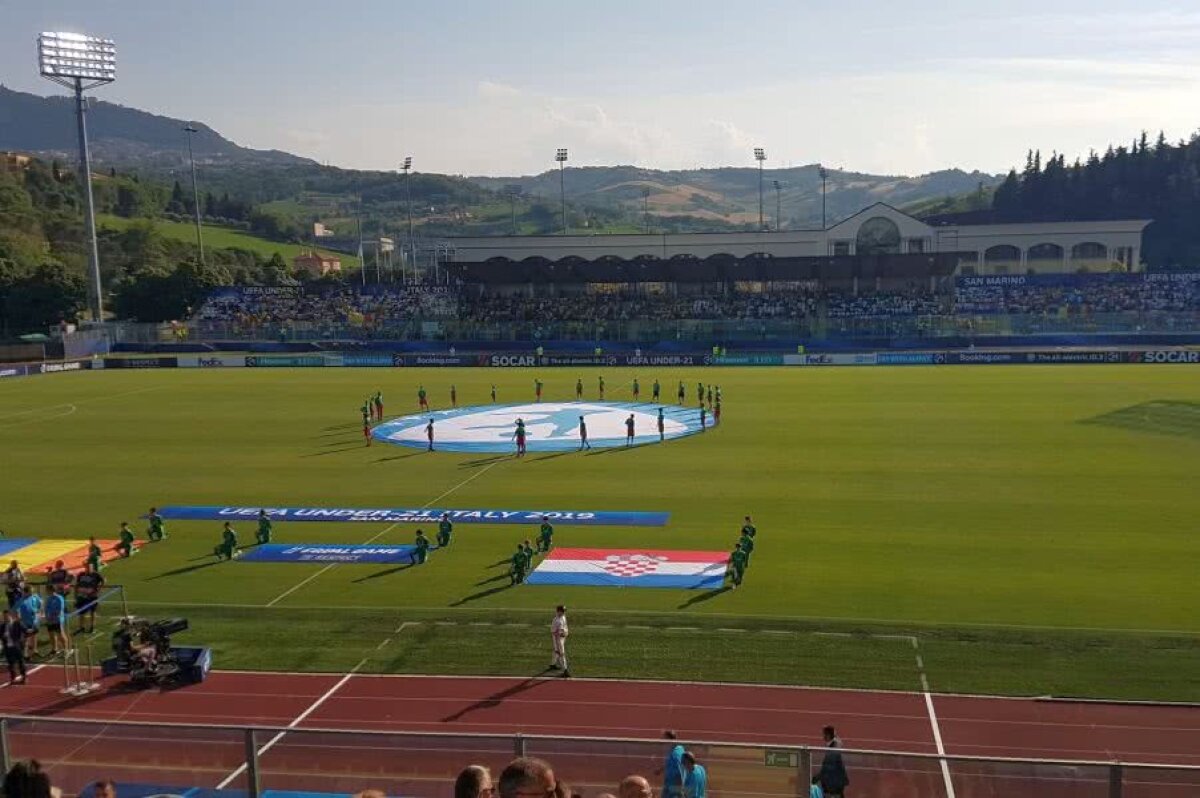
493	88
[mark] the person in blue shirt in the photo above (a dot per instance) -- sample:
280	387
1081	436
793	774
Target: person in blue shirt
29	610
56	619
695	777
673	769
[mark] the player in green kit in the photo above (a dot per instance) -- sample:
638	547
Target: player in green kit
493	394
637	389
421	551
263	535
95	557
749	529
655	390
682	395
422	399
227	548
527	548
578	389
454	396
700	393
157	530
737	565
545	535
366	412
747	544
601	389
445	531
125	545
516	572
710	397
377	400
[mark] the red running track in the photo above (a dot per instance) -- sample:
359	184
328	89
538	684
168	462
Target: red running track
763	715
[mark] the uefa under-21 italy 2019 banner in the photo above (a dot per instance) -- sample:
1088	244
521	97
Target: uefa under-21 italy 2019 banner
417	515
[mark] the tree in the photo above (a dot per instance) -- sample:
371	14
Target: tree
48	295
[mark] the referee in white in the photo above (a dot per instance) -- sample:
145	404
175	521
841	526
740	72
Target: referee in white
559	632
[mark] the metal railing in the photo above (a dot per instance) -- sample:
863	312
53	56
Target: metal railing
254	759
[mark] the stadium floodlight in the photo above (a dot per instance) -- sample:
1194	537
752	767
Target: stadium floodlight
79	63
561	157
760	155
191	131
406	167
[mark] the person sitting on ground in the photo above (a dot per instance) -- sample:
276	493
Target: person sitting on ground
474	781
527	777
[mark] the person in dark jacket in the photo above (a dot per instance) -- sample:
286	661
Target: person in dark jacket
12	636
833	771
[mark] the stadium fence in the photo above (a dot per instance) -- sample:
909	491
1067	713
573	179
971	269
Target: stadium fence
176	758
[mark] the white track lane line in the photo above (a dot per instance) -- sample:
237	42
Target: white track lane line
933	720
376	537
240	769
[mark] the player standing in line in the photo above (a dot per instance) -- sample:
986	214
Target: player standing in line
94	555
420	552
629	430
429	433
583	441
637	389
125	544
537	390
527	550
454	396
558	634
545	535
710	397
445	531
227	548
717	413
578	389
703	418
737	565
157	530
516	572
748	528
662	426
718	393
747	544
519	434
655	390
87	591
493	394
682	395
422	399
700	393
265	527
366	412
378	400
602	389
367	431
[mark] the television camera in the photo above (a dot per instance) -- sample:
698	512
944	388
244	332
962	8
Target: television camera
143	649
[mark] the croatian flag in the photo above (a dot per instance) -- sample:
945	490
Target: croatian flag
631	568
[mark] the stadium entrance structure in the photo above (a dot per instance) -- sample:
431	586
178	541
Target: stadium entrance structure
550	426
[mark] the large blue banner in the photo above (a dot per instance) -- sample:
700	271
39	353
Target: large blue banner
326	552
420	515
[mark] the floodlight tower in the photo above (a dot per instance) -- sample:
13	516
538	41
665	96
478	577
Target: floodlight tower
760	156
406	167
79	63
824	177
561	157
191	131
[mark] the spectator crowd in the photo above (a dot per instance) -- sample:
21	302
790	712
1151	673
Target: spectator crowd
1101	294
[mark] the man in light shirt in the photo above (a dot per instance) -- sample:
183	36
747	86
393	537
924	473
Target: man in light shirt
559	632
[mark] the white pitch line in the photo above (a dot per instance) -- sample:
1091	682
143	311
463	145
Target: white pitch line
240	769
376	537
933	720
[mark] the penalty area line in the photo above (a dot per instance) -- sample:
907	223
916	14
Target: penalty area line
378	535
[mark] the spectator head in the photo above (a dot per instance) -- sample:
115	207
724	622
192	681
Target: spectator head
25	779
689	761
634	787
28	590
816	779
14	565
475	781
670	735
527	777
829	734
561	609
8	616
104	789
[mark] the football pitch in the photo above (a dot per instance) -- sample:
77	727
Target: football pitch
1025	530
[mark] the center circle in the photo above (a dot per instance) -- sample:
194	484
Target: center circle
549	426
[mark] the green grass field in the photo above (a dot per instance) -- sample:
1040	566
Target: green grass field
1033	528
217	237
